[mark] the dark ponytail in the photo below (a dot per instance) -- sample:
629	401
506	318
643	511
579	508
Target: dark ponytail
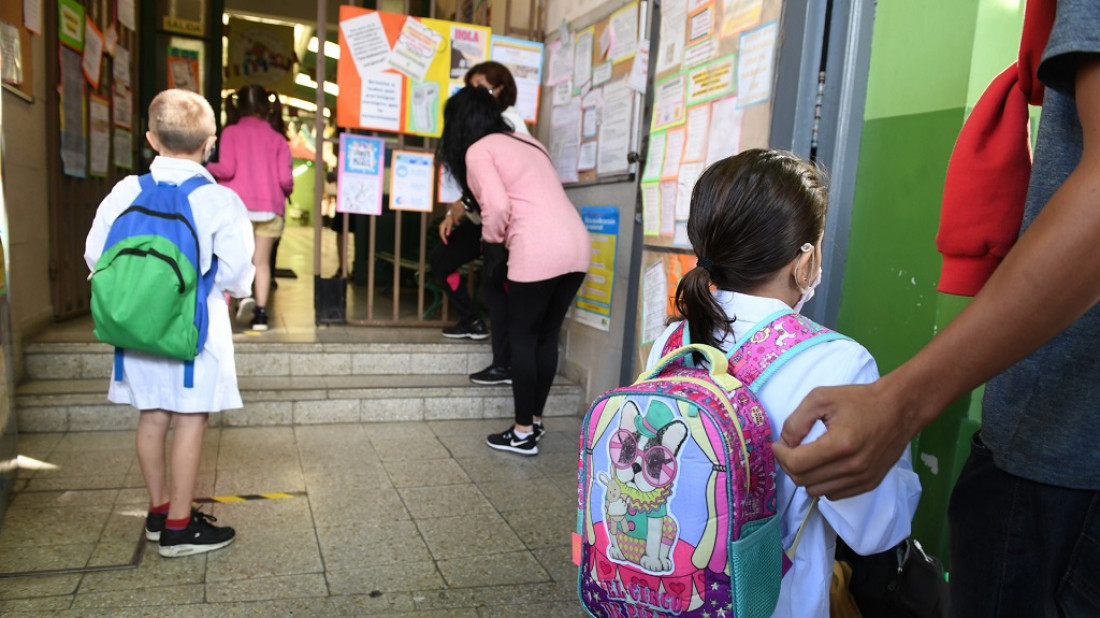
255	100
750	215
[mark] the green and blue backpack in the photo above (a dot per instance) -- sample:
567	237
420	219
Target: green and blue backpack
148	293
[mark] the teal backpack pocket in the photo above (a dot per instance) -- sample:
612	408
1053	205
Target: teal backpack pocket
757	562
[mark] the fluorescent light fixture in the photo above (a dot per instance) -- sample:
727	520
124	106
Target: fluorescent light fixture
332	50
308	106
304	80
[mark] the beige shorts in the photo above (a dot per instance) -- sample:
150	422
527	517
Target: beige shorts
272	228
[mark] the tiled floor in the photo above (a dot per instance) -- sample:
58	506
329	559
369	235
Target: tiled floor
401	519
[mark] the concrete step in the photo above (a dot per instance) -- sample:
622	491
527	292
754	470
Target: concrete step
81	404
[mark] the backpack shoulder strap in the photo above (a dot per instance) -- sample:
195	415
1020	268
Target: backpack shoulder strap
677	340
193	183
147	182
777	339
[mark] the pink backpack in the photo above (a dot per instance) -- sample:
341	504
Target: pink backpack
676	483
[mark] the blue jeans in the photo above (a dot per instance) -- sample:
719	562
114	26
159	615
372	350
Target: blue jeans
1021	548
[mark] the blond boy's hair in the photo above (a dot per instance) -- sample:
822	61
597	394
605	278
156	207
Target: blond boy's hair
181	120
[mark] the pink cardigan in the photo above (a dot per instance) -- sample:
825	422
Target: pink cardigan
254	161
524	206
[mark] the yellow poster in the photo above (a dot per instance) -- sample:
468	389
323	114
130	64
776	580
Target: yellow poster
260	53
460	47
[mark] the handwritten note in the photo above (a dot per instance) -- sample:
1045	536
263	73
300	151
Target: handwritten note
367	42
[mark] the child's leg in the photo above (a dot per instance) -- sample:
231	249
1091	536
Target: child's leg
151	431
261	259
186	450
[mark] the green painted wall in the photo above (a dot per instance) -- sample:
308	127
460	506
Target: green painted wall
930	61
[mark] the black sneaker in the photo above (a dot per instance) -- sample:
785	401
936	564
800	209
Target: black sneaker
492	375
539	432
154	524
472	329
259	319
198	537
507	441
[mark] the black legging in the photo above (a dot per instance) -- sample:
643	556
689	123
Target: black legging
464	245
536	311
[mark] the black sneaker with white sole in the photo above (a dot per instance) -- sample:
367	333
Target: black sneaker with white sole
507	441
539	432
492	375
200	536
154	524
473	329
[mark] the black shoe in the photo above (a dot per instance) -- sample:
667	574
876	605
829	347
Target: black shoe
259	319
539	432
198	537
507	441
473	329
154	524
492	375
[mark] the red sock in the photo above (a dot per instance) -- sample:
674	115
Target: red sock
177	524
159	510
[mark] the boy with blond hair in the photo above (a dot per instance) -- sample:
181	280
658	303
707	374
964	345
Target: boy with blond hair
182	131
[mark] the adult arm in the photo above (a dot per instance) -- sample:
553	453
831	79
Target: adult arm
485	183
1048	280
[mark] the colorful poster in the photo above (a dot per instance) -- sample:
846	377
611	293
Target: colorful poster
755	68
359	175
469	46
412	181
70	24
711	81
183	69
524	61
93	53
99	140
260	53
415	49
739	15
593	303
668	105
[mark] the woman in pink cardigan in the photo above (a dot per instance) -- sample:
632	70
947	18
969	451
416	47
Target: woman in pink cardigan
534	239
254	161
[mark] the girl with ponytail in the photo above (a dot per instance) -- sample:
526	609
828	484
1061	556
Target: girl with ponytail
756	224
254	161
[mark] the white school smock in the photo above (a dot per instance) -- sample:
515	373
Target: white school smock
869	523
513	117
222	225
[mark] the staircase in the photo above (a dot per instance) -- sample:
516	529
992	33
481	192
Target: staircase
344	375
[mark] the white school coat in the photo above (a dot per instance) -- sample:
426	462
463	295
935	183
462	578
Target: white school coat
221	221
869	523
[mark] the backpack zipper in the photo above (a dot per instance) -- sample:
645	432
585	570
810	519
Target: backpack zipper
142	253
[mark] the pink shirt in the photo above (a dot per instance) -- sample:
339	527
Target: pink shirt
524	206
254	161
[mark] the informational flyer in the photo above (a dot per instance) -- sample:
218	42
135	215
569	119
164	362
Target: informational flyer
120	67
623	29
614	129
655	156
738	15
755	65
674	153
582	57
93	52
70	24
183	69
11	54
74	137
559	65
651	208
587	158
670	51
640	67
593	303
32	16
565	139
725	120
380	105
366	39
126	14
602	73
412	177
711	81
415	49
359	176
654	303
698	125
468	47
122	107
524	61
685	184
99	135
668	207
668	105
123	149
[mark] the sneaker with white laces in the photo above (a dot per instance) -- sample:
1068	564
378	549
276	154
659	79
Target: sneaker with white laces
507	441
200	536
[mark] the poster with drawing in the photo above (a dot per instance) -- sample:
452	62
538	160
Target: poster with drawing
359	175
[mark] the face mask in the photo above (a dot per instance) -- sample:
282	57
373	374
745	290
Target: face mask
206	156
807	293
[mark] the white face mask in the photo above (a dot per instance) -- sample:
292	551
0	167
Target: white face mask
807	293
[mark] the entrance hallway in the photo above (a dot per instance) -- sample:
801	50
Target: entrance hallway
382	519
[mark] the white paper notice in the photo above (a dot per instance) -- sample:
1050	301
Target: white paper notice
99	136
654	301
700	52
668	108
122	107
655	157
380	106
524	60
590	123
415	49
698	125
618	109
592	98
559	66
680	235
32	15
673	30
640	67
123	149
582	57
725	123
668	207
366	39
93	53
565	137
121	67
587	159
601	73
623	27
563	93
754	64
651	209
126	14
411	176
685	184
674	152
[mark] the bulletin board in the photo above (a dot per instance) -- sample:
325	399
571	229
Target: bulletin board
12	14
594	102
715	71
401	82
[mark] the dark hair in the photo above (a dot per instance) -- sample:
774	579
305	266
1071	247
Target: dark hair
750	215
255	100
498	76
470	114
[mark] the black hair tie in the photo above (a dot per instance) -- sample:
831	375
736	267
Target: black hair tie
707	264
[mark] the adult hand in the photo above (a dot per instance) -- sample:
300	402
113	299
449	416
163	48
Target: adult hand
455	210
867	431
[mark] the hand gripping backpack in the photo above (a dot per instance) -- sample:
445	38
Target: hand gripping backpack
147	291
676	494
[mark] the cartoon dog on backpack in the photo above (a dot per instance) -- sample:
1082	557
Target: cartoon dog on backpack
643	453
